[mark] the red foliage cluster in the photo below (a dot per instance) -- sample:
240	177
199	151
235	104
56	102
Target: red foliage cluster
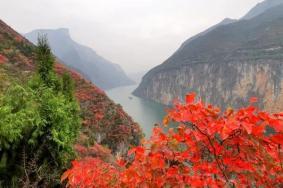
3	59
19	38
61	69
95	150
104	174
101	115
86	93
209	148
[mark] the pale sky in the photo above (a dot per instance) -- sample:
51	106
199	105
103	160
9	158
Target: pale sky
136	34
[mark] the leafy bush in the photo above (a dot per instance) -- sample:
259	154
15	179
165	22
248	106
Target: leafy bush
39	124
208	149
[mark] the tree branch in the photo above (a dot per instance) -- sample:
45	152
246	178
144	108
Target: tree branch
214	150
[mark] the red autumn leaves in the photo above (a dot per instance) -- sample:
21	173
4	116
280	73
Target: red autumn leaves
3	59
92	172
209	149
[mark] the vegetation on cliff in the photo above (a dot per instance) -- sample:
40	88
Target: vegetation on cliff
39	124
209	148
49	114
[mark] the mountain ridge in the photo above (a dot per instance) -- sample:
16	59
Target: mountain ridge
245	44
261	8
84	59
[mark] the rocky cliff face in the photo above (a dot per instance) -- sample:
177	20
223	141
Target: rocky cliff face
225	66
225	84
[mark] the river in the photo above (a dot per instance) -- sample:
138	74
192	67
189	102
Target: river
144	112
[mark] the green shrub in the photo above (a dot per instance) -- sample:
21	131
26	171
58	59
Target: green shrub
39	124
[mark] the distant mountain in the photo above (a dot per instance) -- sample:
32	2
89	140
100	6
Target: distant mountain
262	7
100	71
226	65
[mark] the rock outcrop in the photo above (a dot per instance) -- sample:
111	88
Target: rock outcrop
225	66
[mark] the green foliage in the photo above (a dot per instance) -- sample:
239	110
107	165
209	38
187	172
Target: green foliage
45	61
18	114
45	122
61	119
67	85
39	124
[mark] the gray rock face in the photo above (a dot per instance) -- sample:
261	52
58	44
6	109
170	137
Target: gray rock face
100	71
225	84
226	66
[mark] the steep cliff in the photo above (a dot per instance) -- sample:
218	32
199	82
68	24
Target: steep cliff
226	65
95	68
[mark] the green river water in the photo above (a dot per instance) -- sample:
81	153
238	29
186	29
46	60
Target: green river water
144	112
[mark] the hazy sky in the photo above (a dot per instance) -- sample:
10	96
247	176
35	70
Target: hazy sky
137	34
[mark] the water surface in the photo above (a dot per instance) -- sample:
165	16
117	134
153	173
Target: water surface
145	112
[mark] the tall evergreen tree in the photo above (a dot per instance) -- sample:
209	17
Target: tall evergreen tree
39	124
67	85
45	59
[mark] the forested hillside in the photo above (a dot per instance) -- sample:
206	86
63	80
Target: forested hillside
34	99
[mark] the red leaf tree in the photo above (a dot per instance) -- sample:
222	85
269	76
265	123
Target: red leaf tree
209	148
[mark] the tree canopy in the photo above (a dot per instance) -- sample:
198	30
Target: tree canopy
39	123
209	148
